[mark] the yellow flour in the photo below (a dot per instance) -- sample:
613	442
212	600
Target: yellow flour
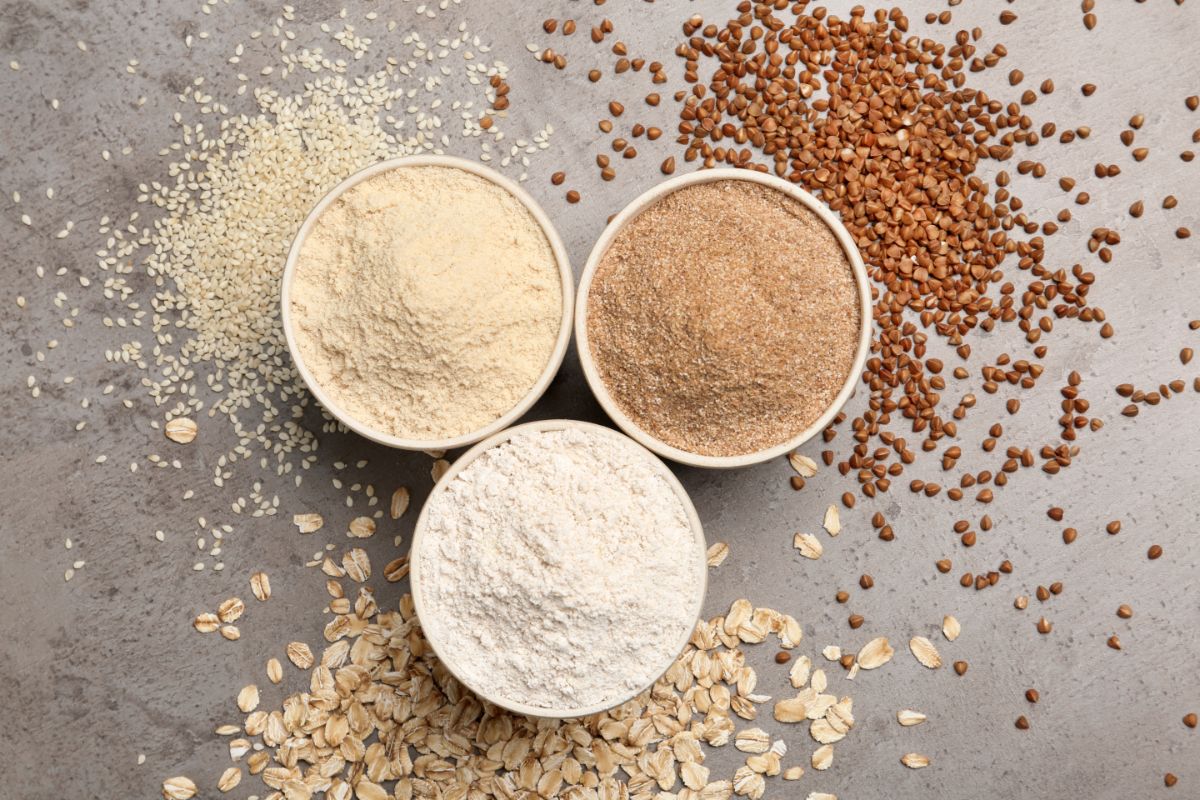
426	302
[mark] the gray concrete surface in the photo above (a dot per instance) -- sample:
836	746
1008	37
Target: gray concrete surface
106	667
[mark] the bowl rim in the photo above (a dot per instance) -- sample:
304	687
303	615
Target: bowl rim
640	204
465	460
566	280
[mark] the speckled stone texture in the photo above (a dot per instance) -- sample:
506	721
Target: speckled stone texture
107	666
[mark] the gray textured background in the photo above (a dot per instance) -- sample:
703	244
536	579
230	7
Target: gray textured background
107	666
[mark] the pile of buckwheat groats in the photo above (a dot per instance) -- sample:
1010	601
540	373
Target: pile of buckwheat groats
884	127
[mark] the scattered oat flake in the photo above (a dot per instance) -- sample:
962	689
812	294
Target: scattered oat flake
179	788
300	655
950	628
717	554
798	674
914	760
439	469
875	653
821	796
803	465
752	740
206	622
260	585
908	718
362	527
308	523
231	610
822	757
790	632
808	545
832	652
274	670
231	632
925	652
230	778
181	430
400	500
833	521
396	569
247	699
357	565
793	773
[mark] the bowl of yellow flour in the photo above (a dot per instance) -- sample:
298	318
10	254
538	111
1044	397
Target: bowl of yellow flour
427	302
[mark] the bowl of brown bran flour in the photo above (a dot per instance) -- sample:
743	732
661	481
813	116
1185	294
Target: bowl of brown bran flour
723	317
427	302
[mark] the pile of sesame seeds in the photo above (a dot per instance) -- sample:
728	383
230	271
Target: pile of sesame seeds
238	186
886	128
191	277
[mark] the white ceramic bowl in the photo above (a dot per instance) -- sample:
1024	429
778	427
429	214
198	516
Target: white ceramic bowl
560	345
648	199
449	658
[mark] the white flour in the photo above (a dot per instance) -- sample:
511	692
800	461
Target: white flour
559	570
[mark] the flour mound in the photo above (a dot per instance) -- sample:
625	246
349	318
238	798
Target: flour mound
559	570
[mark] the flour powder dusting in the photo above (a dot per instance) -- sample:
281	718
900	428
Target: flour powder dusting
426	302
559	570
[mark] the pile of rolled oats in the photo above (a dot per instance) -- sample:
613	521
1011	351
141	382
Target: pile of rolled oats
382	718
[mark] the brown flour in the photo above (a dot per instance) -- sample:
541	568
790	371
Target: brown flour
724	318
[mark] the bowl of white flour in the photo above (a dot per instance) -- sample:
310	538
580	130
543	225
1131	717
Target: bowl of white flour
427	302
558	569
